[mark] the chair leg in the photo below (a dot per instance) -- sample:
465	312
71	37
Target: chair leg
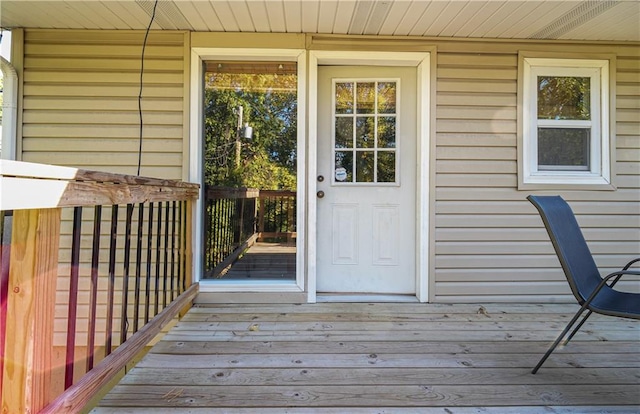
558	340
575	331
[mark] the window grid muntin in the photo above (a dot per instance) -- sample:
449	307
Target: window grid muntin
354	149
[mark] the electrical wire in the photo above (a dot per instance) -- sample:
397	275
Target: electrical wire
144	47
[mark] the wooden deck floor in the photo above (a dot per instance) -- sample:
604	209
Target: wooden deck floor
384	358
265	261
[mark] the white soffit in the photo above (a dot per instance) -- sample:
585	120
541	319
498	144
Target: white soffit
612	20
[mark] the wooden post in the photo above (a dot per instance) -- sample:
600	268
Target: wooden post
30	310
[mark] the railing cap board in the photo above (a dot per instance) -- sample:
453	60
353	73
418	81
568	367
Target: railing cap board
243	192
26	185
231	192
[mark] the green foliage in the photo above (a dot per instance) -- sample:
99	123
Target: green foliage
564	97
268	160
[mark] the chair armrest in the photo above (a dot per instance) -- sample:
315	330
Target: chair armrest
628	265
617	275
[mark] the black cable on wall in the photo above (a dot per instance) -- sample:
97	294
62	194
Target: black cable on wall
144	46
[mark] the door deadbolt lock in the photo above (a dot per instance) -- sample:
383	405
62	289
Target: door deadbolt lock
320	194
320	178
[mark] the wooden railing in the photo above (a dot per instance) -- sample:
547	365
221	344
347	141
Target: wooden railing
235	218
93	265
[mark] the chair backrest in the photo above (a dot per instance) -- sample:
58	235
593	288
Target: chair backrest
569	243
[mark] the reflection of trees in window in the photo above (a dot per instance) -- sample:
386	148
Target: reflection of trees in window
269	101
564	97
371	134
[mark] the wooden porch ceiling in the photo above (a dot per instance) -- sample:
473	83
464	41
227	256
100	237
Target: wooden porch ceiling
607	20
374	358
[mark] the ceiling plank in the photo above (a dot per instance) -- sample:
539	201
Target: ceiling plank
95	15
310	16
275	14
395	15
413	15
344	12
259	16
327	16
226	16
198	15
524	9
242	16
501	15
624	14
133	17
455	11
293	17
472	12
535	23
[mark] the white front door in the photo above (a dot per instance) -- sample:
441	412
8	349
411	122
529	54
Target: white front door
366	229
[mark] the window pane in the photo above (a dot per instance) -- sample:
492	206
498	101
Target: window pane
563	148
386	166
387	97
344	165
344	132
344	98
365	132
366	95
364	166
387	132
564	98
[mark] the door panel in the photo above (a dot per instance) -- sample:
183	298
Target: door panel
367	176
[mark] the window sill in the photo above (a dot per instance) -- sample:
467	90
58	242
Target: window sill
565	182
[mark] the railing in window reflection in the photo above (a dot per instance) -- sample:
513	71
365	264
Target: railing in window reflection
236	218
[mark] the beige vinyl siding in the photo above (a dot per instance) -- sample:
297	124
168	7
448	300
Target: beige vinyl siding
80	109
80	104
489	241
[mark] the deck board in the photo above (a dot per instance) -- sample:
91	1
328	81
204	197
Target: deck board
264	261
384	358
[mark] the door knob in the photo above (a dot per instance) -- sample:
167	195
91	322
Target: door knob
320	194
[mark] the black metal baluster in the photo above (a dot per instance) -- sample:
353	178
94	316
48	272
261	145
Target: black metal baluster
112	278
166	255
147	286
136	309
124	318
158	242
180	286
173	248
184	245
95	260
73	297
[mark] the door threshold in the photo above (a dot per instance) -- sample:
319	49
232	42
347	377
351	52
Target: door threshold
364	298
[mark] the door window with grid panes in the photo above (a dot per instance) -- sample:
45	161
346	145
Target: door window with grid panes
365	131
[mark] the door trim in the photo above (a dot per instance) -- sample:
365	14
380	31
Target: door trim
198	56
422	62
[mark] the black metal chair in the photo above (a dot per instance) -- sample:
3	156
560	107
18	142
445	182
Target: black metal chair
590	289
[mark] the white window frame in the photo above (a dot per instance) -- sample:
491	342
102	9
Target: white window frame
599	173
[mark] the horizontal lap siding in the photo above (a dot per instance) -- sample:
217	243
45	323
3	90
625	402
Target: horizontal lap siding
81	101
490	244
81	110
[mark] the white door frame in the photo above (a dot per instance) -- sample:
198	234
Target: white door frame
198	56
420	60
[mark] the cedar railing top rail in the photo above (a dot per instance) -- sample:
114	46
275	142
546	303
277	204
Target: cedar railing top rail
27	185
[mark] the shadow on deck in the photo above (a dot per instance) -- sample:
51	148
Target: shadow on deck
383	357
